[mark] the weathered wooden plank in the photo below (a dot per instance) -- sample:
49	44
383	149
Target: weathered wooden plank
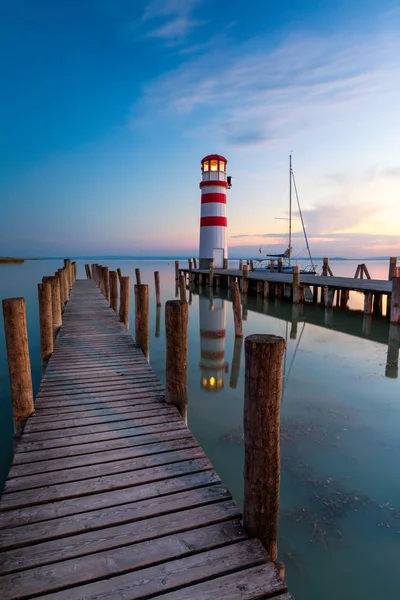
93	389
25	463
249	584
15	537
99	382
38	423
100	484
139	457
184	480
76	412
82	544
113	562
107	396
120	433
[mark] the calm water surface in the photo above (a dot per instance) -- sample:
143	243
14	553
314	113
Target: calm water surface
339	529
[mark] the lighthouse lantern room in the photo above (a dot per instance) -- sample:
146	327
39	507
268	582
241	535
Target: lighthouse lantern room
213	222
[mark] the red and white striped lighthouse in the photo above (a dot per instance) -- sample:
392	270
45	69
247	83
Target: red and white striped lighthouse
213	222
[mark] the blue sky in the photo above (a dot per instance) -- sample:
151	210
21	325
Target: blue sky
111	104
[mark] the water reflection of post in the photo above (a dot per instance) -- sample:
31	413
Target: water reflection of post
366	325
244	307
235	366
158	321
295	320
392	361
328	317
212	343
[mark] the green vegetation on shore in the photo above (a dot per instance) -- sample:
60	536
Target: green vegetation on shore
11	259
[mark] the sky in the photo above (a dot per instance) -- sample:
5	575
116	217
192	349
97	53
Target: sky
108	107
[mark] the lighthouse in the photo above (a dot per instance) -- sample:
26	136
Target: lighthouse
213	222
212	343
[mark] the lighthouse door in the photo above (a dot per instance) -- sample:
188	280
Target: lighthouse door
218	258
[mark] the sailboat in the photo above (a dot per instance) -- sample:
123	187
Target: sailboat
286	256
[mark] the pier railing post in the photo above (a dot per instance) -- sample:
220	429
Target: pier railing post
157	287
262	398
176	334
45	321
124	301
19	366
142	317
237	309
395	300
113	277
74	272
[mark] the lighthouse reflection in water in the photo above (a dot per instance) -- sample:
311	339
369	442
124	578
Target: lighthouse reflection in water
212	343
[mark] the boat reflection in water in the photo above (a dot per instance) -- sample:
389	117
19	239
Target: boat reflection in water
212	343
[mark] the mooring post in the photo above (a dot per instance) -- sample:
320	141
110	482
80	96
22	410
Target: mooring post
262	397
240	265
280	265
237	309
392	267
45	321
19	366
315	294
142	317
157	287
297	291
176	334
182	288
55	301
344	298
177	270
67	267
368	303
211	275
94	272
119	273
190	262
138	278
245	279
106	278
63	290
226	264
74	272
195	263
113	277
124	301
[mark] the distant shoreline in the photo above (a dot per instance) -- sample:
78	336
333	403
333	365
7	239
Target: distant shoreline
11	259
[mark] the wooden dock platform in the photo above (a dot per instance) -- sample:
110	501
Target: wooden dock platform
109	494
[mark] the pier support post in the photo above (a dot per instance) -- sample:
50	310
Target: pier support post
395	301
280	265
226	264
113	276
138	278
245	279
176	270
240	265
262	398
195	263
315	294
297	291
142	317
106	279
63	287
211	275
119	273
157	287
325	266
176	334
266	290
74	271
190	271
377	309
368	303
182	288
237	309
19	366
392	360
392	267
55	301
329	297
67	267
45	321
124	301
158	321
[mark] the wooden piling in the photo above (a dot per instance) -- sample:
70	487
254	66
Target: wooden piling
263	385
315	294
392	267
237	309
245	280
368	303
124	301
272	265
63	287
280	265
266	290
138	278
344	298
119	273
226	264
211	275
176	334
182	288
158	321
329	297
395	301
67	267
195	263
74	272
240	265
325	264
377	307
392	358
190	270
19	366
157	287
106	279
297	291
56	313
142	317
113	277
177	270
45	321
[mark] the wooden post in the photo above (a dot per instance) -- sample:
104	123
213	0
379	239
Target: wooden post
262	397
278	290
190	270
67	267
225	264
138	278
297	291
240	265
182	288
177	270
19	366
124	301
266	290
368	303
57	275
87	271
392	267
142	317
315	294
195	263
325	264
377	308
74	272
63	287
55	301
392	359
395	300
157	286
158	321
106	279
245	279
237	309
176	334
235	365
280	265
344	298
45	321
113	276
251	265
119	273
211	276
272	265
357	273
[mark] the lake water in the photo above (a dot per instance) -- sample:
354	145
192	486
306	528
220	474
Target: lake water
339	528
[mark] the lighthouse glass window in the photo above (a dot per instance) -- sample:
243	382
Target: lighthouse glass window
221	165
205	165
214	165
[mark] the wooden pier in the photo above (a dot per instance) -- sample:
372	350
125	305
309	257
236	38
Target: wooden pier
109	494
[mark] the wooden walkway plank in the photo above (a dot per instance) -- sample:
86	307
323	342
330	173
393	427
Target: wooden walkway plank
109	494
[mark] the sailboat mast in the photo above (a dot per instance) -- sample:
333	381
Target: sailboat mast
290	206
